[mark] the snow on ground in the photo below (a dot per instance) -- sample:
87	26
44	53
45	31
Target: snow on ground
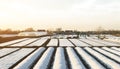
92	42
65	42
75	62
5	51
25	42
59	62
38	42
53	42
26	63
12	42
45	59
108	54
78	42
88	59
104	60
11	59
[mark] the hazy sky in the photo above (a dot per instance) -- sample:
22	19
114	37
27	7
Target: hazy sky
67	14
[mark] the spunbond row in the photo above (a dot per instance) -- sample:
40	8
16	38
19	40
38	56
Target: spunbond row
63	58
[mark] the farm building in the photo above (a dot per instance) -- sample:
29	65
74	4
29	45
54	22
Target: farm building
32	33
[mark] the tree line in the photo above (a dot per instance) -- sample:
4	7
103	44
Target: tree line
113	32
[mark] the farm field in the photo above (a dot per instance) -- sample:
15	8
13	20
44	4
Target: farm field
56	53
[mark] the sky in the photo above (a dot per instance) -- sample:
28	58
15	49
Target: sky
80	15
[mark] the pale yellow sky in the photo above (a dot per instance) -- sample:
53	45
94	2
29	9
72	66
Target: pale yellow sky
67	14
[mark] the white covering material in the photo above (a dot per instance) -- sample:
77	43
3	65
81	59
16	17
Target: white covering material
25	42
78	42
25	64
108	54
53	42
11	59
65	42
74	59
45	59
59	62
106	42
89	60
5	51
111	50
38	42
92	42
12	42
32	33
106	61
115	48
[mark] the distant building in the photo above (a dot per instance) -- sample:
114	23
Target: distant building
41	30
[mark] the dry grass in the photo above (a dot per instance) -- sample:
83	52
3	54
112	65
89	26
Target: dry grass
6	39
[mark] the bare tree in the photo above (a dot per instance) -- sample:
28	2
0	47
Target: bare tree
29	30
99	32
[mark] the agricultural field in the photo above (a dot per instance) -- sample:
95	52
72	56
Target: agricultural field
60	53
